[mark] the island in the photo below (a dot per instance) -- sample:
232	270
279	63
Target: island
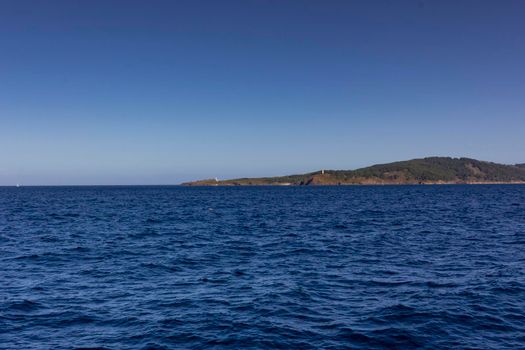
430	170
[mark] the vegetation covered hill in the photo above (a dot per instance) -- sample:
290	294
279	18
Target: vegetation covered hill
432	170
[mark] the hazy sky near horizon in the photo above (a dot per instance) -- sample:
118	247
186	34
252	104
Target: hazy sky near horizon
159	92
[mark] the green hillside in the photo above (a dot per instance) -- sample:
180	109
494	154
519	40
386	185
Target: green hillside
416	171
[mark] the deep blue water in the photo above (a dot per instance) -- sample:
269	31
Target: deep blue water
397	267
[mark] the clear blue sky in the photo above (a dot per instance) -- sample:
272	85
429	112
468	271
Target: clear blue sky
158	92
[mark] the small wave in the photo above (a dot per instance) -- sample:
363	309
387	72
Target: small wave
24	305
153	221
157	266
27	257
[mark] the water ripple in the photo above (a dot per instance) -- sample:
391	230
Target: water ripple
393	267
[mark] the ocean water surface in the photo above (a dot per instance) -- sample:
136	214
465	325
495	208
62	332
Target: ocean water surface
365	267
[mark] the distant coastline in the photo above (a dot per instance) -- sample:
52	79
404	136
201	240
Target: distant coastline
423	171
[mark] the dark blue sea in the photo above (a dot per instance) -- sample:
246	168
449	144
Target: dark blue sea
365	267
